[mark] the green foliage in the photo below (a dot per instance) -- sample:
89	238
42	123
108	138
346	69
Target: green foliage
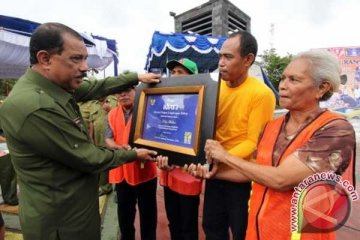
5	86
274	65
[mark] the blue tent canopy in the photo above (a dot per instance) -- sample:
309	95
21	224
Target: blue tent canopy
18	25
15	36
204	50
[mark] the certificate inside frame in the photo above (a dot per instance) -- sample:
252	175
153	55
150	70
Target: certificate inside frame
203	88
163	142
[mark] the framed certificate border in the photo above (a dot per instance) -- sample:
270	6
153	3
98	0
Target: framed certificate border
205	87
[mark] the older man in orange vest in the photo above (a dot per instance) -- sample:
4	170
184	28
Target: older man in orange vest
136	181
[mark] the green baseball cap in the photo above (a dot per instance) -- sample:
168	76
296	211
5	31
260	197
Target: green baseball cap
184	62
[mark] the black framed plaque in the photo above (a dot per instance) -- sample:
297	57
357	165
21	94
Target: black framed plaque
176	116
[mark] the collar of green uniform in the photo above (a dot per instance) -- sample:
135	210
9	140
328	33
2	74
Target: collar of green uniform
53	90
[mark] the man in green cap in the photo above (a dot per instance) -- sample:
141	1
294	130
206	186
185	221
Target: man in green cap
53	156
181	190
183	66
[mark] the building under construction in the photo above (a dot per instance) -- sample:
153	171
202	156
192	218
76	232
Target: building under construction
214	18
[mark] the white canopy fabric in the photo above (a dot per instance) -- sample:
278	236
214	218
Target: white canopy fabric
14	54
15	57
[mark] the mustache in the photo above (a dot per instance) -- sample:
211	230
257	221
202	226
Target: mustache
83	75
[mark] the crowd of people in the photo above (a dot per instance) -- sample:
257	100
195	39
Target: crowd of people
58	153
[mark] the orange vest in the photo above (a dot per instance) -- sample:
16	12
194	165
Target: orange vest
269	215
181	182
131	172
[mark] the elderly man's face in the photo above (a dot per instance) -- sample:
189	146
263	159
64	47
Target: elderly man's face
68	68
126	98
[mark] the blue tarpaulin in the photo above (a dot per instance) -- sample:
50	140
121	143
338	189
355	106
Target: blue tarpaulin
203	50
18	25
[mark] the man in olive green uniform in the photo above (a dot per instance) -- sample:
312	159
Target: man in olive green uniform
8	181
53	156
85	111
98	111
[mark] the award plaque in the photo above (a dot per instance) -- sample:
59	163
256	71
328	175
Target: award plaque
176	116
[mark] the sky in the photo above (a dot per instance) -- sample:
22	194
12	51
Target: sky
298	24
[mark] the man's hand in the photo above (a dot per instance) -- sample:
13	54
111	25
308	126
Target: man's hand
145	154
2	139
149	77
214	151
201	171
123	147
163	163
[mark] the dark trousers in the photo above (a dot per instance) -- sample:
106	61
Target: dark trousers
144	195
225	205
182	212
1	220
8	181
2	228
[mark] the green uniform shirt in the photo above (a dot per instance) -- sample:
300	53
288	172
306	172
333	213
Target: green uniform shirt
54	159
98	116
85	108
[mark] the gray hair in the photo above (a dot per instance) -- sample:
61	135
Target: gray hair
323	67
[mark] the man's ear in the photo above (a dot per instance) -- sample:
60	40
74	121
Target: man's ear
249	59
43	58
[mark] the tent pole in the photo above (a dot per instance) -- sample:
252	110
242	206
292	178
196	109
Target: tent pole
7	88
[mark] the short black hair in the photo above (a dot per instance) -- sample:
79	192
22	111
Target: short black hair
49	37
248	43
